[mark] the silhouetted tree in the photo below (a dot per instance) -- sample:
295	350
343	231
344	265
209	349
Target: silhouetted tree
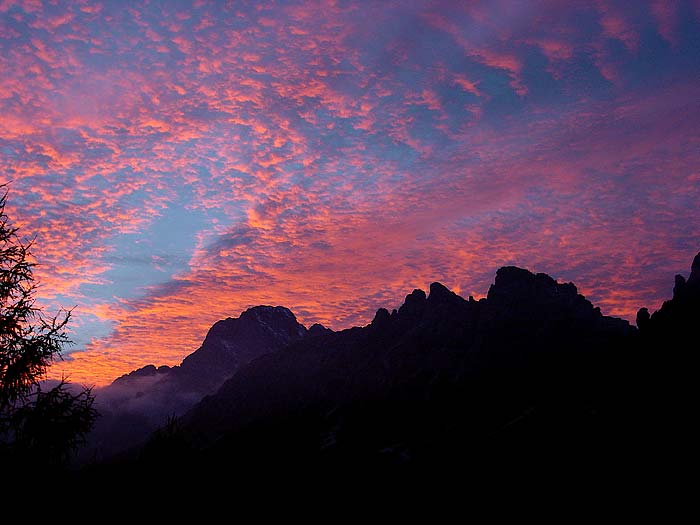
37	425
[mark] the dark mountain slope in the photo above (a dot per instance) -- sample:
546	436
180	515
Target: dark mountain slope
138	403
423	384
667	373
233	343
531	377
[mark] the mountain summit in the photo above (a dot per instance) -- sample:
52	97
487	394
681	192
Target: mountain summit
139	402
232	343
694	278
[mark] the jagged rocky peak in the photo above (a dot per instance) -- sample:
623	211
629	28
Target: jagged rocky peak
439	289
381	318
643	317
317	329
694	279
513	277
145	371
681	286
515	284
268	313
414	304
233	342
528	295
278	318
417	296
677	317
510	274
441	295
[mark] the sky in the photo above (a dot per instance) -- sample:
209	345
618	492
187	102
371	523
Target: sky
179	162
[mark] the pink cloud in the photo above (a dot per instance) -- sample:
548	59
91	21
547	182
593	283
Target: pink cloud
338	156
666	14
616	25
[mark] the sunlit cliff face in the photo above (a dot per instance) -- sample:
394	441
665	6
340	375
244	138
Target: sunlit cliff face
179	162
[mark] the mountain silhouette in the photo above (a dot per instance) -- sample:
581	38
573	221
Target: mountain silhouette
136	404
531	374
439	370
667	372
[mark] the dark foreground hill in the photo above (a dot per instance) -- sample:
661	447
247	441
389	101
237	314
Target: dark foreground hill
532	373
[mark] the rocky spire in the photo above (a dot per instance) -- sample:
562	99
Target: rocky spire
413	305
694	279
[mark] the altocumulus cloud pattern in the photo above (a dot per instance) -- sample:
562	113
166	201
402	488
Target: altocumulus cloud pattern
181	161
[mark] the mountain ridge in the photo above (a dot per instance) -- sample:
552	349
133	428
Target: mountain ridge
137	403
532	366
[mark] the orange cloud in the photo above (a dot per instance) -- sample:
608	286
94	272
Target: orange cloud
332	157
